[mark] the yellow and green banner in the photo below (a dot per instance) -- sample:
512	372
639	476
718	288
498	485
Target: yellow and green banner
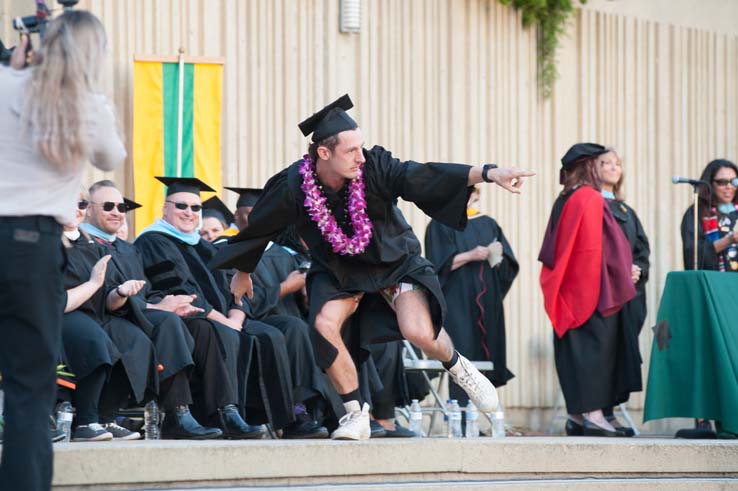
161	117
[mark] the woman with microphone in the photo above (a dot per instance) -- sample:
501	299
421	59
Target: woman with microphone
716	209
53	119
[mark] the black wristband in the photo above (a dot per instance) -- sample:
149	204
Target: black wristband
486	168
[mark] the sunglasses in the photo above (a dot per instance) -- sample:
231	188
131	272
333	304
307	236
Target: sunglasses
83	204
184	206
109	205
722	182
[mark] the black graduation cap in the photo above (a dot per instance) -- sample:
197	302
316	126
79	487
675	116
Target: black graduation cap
330	120
184	185
130	204
246	196
214	207
580	151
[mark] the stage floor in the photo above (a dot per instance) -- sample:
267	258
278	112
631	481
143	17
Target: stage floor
409	464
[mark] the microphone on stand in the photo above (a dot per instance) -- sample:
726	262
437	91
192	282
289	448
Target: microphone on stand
693	182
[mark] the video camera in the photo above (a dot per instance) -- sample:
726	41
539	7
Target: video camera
30	24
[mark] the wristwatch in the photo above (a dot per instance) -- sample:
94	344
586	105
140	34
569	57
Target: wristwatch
486	168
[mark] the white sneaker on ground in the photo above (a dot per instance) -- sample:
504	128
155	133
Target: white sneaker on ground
354	425
478	387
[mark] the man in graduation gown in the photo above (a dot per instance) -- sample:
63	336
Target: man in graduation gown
175	258
187	349
366	260
474	287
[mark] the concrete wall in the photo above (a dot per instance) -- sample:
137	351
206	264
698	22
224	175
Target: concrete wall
455	80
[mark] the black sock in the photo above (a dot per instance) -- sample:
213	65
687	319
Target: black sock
448	364
354	395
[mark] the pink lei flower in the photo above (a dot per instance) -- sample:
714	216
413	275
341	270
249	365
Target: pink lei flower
315	203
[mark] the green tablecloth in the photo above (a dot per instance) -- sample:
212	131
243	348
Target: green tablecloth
696	374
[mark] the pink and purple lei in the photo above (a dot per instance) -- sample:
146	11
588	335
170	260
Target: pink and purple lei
315	204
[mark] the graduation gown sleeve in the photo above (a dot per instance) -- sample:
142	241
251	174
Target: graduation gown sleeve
272	213
440	190
167	271
641	250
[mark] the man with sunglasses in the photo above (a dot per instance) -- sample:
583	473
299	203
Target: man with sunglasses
175	258
157	315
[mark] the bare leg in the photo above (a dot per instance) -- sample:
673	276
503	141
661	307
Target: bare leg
414	319
329	322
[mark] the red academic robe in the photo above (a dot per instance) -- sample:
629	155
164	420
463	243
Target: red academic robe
586	263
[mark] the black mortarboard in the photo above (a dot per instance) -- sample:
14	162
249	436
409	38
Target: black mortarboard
130	204
184	185
330	120
580	151
246	196
214	207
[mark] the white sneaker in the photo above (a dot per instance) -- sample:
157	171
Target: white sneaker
354	425
478	387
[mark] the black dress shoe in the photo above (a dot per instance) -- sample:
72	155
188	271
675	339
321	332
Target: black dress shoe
234	427
378	430
573	428
304	429
621	430
399	432
591	429
179	424
701	431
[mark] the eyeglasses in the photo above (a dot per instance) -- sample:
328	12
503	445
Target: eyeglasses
184	206
82	204
109	205
722	182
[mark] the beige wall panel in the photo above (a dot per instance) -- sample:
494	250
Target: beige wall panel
455	80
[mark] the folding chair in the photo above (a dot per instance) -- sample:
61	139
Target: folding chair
413	363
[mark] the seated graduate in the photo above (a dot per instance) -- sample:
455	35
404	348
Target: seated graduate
175	261
217	220
476	267
86	349
107	368
186	347
247	198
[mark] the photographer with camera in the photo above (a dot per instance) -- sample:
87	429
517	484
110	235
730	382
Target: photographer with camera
52	121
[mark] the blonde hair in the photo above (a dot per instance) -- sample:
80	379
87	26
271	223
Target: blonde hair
617	188
67	72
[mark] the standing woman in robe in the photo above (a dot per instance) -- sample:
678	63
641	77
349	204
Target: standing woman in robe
586	280
718	249
633	315
474	288
53	119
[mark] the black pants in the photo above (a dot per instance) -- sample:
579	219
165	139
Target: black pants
31	306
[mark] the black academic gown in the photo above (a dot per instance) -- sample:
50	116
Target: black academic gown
174	267
273	268
392	256
707	257
136	351
595	361
86	345
173	342
475	291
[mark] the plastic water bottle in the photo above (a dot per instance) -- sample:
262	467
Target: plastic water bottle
498	423
64	416
472	421
416	418
151	420
454	419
